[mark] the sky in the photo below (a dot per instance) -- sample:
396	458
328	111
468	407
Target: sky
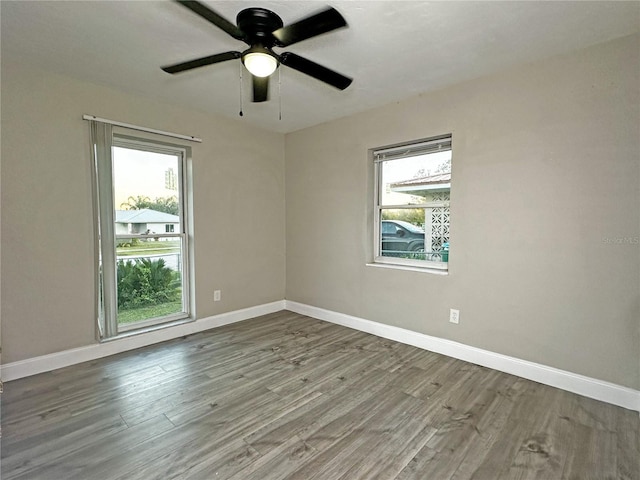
408	168
394	171
138	173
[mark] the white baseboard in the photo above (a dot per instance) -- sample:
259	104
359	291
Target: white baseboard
572	382
46	363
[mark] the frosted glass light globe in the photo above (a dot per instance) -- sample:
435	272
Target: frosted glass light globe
260	64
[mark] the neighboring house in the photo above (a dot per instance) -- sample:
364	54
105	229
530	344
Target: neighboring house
139	222
433	190
422	186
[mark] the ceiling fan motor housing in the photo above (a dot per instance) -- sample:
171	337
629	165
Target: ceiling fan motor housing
258	23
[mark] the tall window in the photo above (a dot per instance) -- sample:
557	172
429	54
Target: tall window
142	231
413	184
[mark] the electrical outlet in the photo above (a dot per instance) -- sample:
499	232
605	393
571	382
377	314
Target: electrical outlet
217	296
454	315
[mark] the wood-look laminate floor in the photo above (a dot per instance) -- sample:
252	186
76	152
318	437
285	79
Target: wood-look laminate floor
286	396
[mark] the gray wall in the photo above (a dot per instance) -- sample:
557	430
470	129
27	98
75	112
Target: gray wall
546	172
47	218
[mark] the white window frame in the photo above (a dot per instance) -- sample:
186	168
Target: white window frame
394	153
104	140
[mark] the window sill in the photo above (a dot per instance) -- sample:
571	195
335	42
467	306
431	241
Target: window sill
140	329
394	266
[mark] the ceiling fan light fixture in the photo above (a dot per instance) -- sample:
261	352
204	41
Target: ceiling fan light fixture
262	30
259	62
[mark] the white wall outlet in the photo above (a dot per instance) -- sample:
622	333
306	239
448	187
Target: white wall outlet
454	315
217	296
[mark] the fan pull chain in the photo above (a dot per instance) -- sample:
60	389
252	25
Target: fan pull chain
280	93
241	114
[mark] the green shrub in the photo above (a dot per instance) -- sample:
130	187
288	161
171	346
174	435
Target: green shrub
146	282
411	215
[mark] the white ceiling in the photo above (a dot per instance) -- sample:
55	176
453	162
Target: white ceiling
392	49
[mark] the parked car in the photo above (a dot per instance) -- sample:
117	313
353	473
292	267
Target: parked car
401	236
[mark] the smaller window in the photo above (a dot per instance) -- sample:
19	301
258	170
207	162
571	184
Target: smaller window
413	186
169	228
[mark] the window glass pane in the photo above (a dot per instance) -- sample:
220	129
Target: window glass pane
146	192
149	276
414	180
415	233
402	233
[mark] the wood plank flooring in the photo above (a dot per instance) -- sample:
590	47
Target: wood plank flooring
286	396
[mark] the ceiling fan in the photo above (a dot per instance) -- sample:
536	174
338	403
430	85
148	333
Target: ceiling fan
262	30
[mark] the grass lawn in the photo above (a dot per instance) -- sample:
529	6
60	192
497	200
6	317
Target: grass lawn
149	248
147	313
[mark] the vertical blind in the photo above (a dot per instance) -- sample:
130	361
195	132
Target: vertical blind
101	143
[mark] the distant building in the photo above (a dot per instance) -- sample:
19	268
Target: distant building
145	221
423	186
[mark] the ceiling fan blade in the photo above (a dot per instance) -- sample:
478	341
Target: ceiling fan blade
201	62
213	17
260	89
317	24
314	70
